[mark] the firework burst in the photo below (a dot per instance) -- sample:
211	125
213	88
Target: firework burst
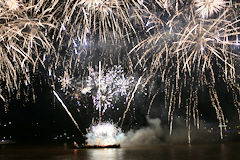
191	53
12	4
107	88
104	135
206	8
24	39
101	19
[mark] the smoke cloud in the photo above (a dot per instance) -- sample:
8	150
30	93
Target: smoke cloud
145	136
109	134
153	134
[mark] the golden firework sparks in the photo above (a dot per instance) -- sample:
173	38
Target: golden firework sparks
101	19
190	52
23	37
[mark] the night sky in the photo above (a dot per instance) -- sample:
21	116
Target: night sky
46	121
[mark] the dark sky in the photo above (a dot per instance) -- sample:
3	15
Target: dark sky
45	119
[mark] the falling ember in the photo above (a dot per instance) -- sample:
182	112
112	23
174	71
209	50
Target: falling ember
129	102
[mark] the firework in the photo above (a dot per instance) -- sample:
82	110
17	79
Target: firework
24	40
207	8
107	87
190	53
185	46
103	135
12	4
65	81
101	19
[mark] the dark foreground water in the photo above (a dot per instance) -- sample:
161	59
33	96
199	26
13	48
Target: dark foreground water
227	151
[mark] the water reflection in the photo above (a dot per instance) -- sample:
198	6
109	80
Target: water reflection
106	154
169	152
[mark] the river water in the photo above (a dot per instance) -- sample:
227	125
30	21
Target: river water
213	151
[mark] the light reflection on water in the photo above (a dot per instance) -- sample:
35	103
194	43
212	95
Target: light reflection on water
93	154
163	152
108	154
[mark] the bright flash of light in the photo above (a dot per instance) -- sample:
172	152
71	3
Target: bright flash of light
12	4
104	134
207	8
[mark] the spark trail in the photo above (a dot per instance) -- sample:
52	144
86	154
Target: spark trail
129	102
65	107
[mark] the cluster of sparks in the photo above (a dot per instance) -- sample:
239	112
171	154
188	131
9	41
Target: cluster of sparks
109	87
106	87
188	45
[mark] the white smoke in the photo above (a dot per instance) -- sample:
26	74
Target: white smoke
144	136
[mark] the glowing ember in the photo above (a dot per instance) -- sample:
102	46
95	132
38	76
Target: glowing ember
104	135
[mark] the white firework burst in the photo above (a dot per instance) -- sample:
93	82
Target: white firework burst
12	4
65	81
206	8
104	134
107	88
